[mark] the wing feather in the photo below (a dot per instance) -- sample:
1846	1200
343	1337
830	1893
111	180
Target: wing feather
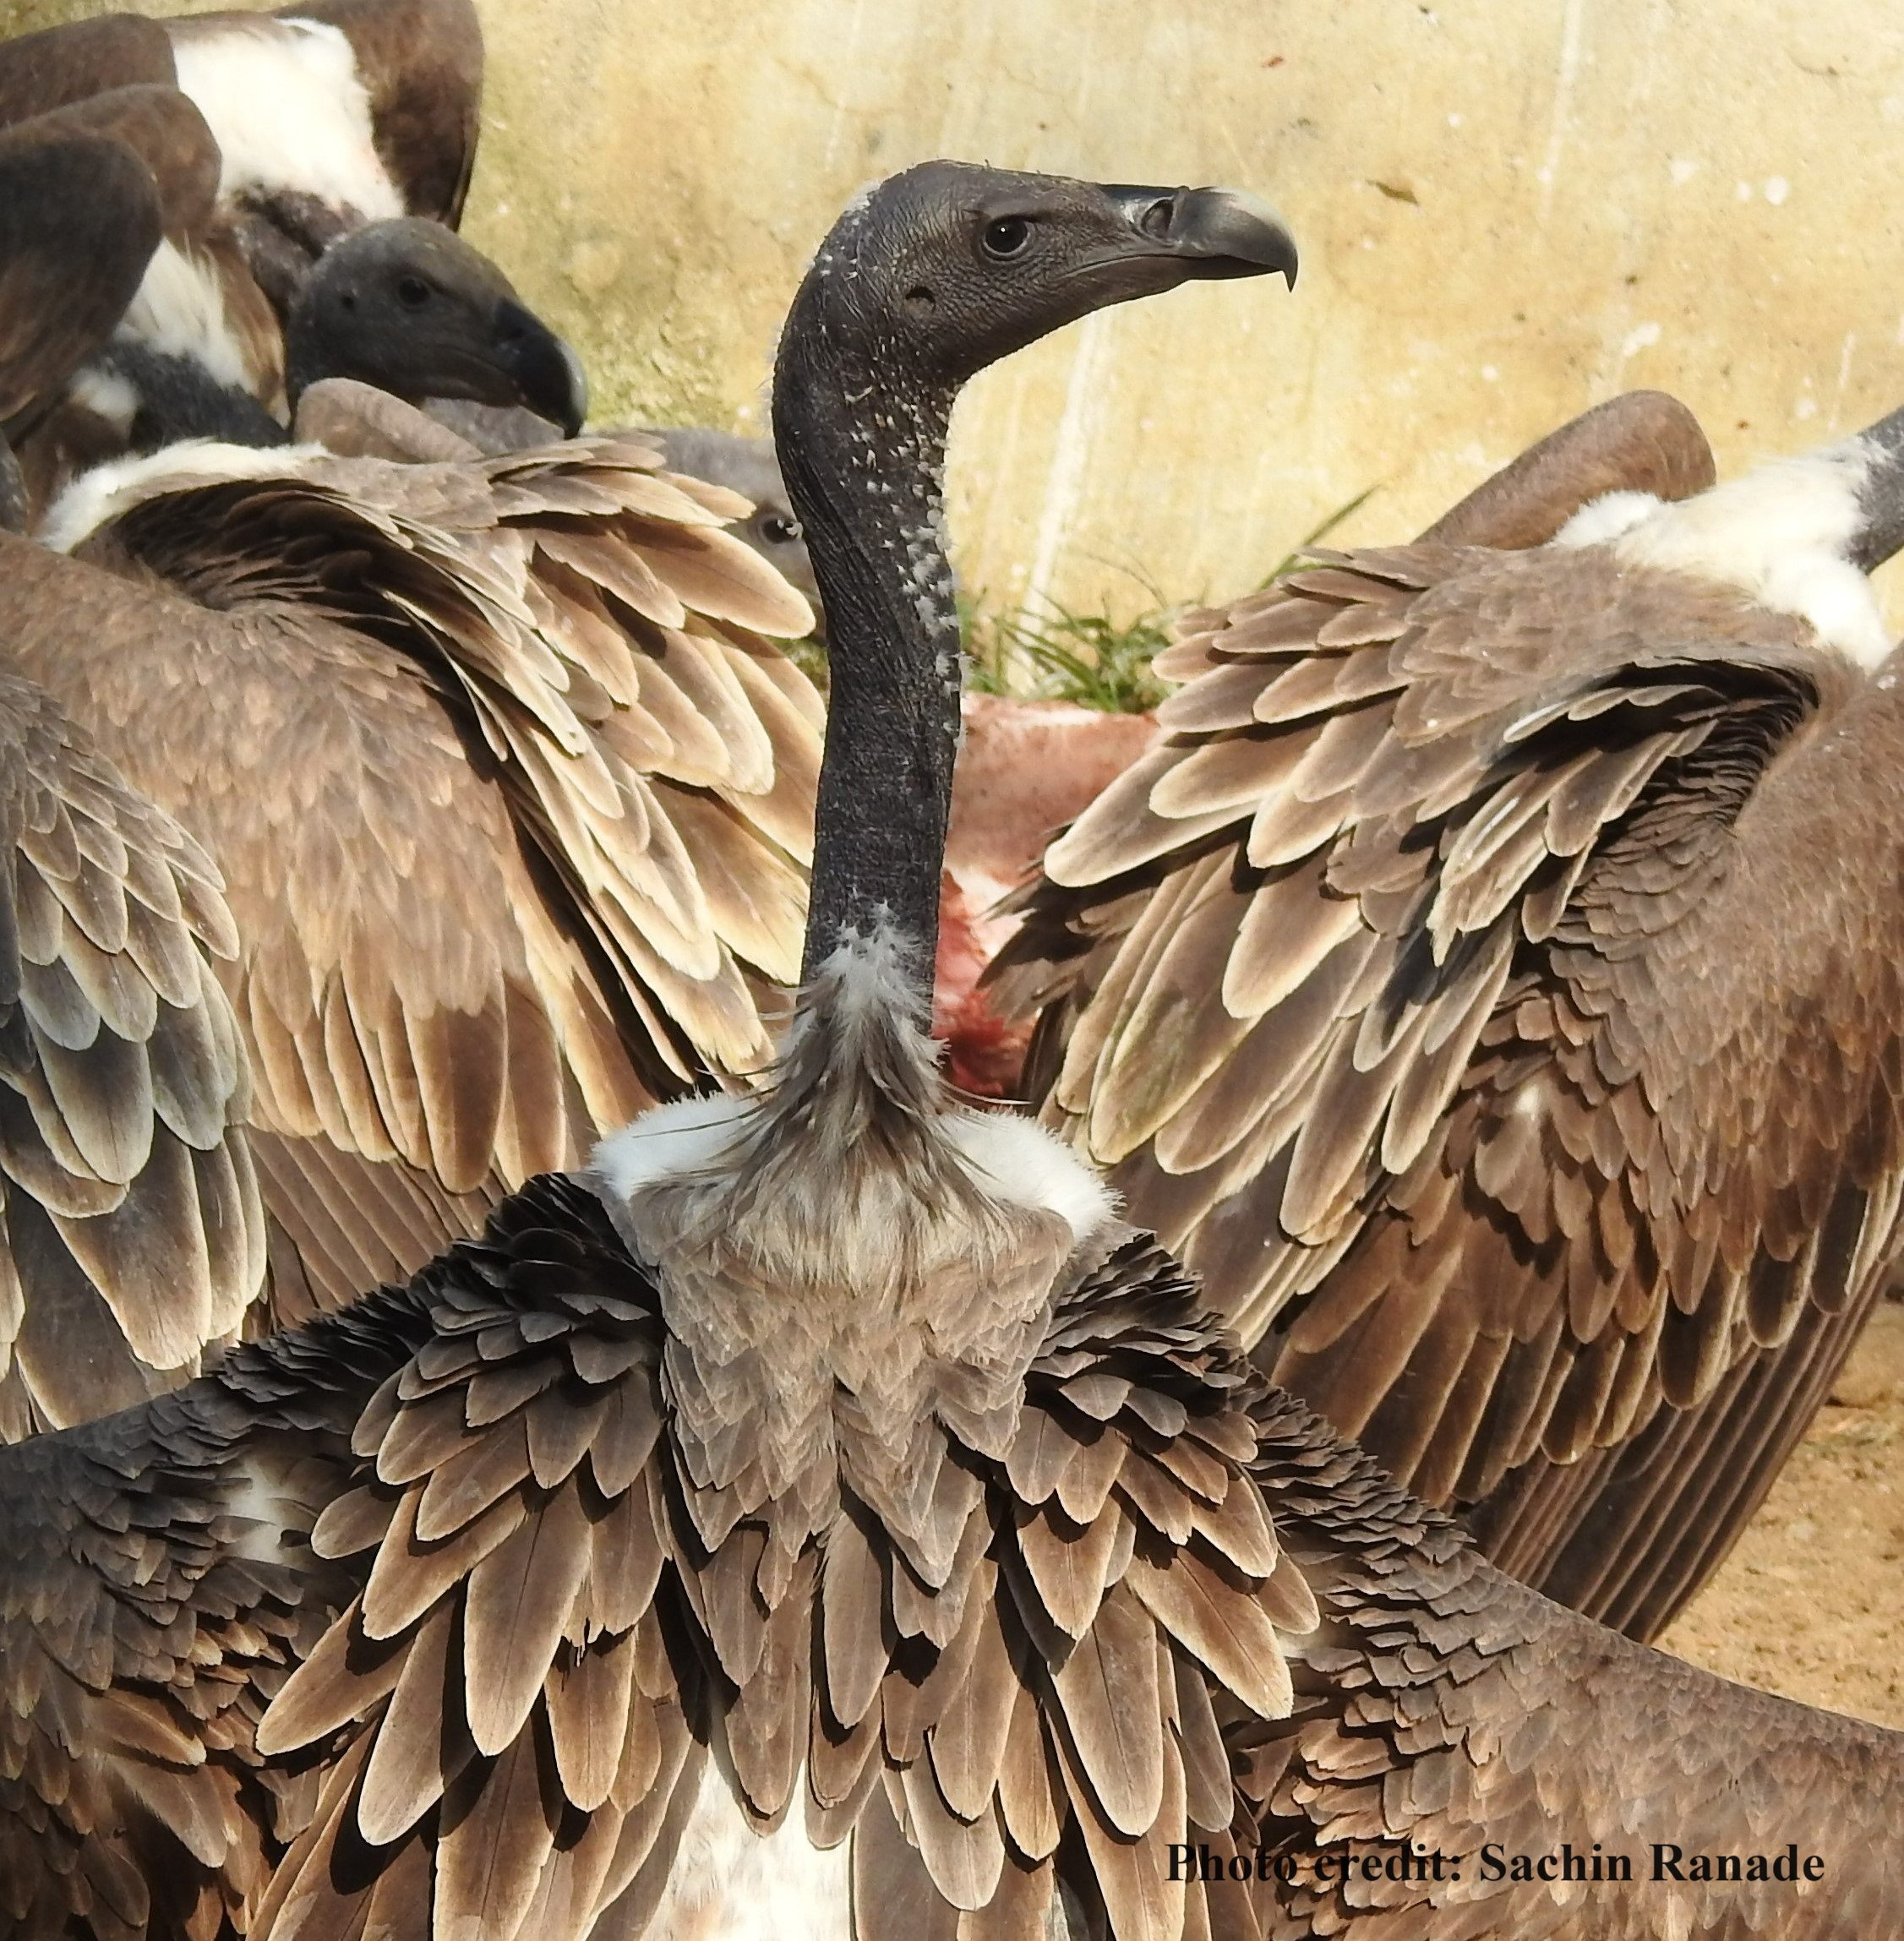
639	1554
1405	996
491	908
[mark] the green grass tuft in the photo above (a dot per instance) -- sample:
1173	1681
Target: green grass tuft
1084	657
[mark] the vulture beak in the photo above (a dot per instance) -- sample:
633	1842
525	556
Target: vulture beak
545	370
1210	232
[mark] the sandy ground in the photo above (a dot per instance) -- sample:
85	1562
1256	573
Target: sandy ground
1811	1602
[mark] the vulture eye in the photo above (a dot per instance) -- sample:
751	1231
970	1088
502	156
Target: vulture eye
1007	237
778	530
413	293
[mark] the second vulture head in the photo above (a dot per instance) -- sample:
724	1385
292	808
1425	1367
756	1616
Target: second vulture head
408	305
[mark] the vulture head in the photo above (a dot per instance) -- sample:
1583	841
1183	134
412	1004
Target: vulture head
948	267
408	305
924	282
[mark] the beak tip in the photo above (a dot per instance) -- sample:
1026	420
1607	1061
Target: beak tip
577	414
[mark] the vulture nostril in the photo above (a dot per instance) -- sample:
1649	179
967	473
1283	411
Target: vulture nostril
1156	220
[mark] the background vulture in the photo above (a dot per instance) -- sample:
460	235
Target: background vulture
746	1473
1487	984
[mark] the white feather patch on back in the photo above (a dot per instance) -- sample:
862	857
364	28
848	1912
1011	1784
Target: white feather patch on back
108	490
1017	1161
107	395
1782	534
284	99
685	1136
1606	518
730	1883
179	309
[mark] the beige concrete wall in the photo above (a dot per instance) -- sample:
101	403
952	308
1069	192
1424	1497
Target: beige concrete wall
1508	208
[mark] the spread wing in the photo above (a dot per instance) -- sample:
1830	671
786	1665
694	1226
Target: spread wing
565	1608
130	1227
159	1585
1448	1709
513	795
1401	988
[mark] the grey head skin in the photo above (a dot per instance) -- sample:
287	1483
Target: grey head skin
925	281
408	305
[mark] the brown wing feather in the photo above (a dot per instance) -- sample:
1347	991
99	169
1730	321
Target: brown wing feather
1455	1711
165	131
158	1584
1500	1191
79	219
483	916
1642	441
803	1588
45	70
132	1216
421	62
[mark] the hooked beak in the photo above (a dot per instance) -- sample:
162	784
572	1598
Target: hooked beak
546	372
1210	232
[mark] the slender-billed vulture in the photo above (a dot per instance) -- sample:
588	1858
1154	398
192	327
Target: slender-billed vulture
130	1227
825	1512
511	794
1486	984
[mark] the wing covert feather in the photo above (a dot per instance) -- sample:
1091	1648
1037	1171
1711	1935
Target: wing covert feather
800	1628
1533	805
520	873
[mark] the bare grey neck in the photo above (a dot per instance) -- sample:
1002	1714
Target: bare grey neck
864	457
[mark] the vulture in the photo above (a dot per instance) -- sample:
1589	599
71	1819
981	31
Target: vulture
510	796
274	137
69	189
824	1511
747	465
1029	767
1485	985
131	1231
326	115
403	303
